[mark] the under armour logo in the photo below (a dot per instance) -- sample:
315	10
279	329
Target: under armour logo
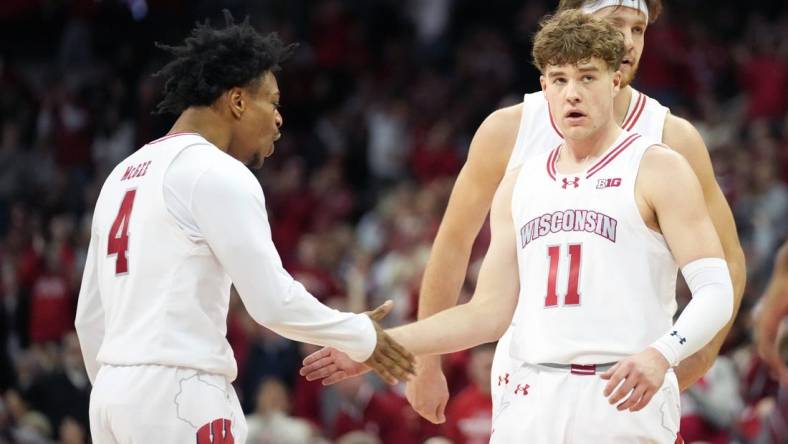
575	182
503	379
682	339
522	389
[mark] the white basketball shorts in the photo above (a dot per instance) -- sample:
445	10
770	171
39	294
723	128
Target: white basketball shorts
503	366
549	405
143	404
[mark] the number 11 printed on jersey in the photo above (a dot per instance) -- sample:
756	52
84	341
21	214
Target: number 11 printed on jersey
572	294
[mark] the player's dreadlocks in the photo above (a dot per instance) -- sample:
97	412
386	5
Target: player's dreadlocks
213	60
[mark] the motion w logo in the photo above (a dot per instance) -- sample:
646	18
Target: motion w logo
575	182
218	431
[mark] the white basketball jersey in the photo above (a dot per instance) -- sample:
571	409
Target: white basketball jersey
596	284
165	298
538	131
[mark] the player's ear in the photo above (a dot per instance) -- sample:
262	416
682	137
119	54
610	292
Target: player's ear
236	101
616	82
542	82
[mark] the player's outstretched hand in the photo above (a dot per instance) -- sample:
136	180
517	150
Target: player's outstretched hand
331	366
388	359
771	340
640	376
427	392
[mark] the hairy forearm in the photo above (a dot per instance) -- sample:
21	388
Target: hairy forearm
457	328
690	370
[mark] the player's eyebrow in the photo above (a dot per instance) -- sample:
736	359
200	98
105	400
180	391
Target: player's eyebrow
556	73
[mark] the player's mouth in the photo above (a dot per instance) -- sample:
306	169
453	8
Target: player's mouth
626	61
574	117
273	148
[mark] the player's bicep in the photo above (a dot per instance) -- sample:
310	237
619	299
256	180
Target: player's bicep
479	178
683	138
229	211
679	206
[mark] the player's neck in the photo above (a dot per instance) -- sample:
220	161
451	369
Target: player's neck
578	152
205	122
621	104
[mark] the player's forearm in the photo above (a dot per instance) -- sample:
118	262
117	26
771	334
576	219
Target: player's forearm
734	256
690	370
443	276
289	310
89	325
89	318
457	328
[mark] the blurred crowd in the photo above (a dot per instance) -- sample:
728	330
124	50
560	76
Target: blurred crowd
379	104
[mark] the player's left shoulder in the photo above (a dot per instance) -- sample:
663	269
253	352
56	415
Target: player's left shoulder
664	168
682	136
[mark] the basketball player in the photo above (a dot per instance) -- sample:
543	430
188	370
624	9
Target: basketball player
771	312
586	239
175	224
503	142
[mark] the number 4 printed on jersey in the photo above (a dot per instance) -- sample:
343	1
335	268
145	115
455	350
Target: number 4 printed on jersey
572	295
118	239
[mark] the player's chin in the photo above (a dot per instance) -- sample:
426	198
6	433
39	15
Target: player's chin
627	75
576	132
256	161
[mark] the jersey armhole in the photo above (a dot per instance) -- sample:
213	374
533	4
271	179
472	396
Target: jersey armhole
652	233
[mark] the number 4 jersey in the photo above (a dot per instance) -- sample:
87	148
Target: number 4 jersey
176	223
596	284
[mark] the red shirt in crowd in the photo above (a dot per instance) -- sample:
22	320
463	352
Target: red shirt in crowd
469	417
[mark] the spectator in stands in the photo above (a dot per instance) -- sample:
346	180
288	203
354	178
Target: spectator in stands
469	413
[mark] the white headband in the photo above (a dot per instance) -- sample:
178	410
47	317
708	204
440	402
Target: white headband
594	6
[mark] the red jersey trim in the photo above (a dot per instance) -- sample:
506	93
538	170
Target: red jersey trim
612	154
168	136
630	122
551	162
552	121
578	369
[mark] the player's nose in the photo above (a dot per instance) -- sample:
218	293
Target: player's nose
571	92
628	42
278	119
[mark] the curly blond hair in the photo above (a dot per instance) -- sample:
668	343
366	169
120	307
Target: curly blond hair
572	37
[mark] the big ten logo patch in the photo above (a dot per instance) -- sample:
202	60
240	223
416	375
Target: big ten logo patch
608	183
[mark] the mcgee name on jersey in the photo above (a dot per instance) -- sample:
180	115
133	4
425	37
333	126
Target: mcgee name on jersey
569	220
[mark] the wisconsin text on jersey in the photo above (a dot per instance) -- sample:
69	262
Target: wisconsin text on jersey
569	220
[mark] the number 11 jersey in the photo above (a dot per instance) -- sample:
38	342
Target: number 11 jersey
596	284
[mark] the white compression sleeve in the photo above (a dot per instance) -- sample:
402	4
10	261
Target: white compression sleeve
709	310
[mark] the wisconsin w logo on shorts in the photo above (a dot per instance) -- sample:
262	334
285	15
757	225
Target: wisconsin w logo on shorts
218	431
